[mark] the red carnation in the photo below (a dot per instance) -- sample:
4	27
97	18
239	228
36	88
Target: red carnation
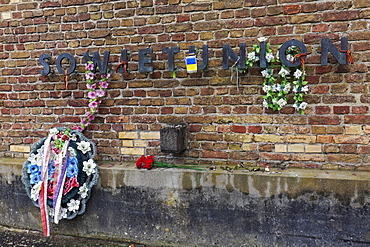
148	163
145	162
65	137
139	162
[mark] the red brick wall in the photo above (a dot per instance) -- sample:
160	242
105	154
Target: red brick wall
228	124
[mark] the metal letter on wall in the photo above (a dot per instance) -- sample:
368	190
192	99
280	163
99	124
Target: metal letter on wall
98	63
171	56
72	62
44	63
327	45
227	53
144	59
263	61
282	52
205	56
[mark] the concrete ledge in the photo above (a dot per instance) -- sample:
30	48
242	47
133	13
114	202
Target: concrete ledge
171	207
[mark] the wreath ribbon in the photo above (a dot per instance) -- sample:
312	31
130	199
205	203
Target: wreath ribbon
349	55
301	58
59	181
66	78
43	193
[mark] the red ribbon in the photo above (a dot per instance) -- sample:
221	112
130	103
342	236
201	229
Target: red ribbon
43	193
124	64
66	79
301	58
349	55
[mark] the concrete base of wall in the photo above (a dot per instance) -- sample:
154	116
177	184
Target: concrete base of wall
173	207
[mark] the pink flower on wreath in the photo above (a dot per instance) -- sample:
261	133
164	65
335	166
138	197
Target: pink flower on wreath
91	95
89	66
79	128
91	86
89	76
90	117
104	84
93	104
100	93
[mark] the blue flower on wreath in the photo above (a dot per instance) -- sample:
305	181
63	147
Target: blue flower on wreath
72	167
51	169
35	177
33	168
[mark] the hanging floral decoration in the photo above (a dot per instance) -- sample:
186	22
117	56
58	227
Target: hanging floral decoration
96	91
60	169
278	87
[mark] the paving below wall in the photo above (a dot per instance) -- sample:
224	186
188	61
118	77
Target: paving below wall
173	207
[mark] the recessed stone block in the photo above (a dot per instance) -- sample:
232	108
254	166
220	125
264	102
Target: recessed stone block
174	138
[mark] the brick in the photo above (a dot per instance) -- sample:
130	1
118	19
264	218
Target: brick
224	4
300	139
322	110
313	148
223	128
341	15
228	119
356	119
274	156
348	139
20	148
183	18
281	148
309	157
168	9
344	158
292	9
360	109
244	155
341	109
353	130
127	143
132	151
269	138
348	149
323	120
271	21
324	139
295	148
305	18
252	3
361	3
255	129
258	119
140	143
239	129
307	8
214	154
155	135
128	135
335	130
238	138
364	150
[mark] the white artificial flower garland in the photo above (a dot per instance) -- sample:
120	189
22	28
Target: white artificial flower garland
277	89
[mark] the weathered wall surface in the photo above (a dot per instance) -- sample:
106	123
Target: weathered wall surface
227	122
170	207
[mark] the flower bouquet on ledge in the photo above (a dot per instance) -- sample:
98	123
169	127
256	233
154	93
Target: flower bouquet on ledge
148	163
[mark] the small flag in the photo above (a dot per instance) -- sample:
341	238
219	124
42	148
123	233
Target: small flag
191	63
